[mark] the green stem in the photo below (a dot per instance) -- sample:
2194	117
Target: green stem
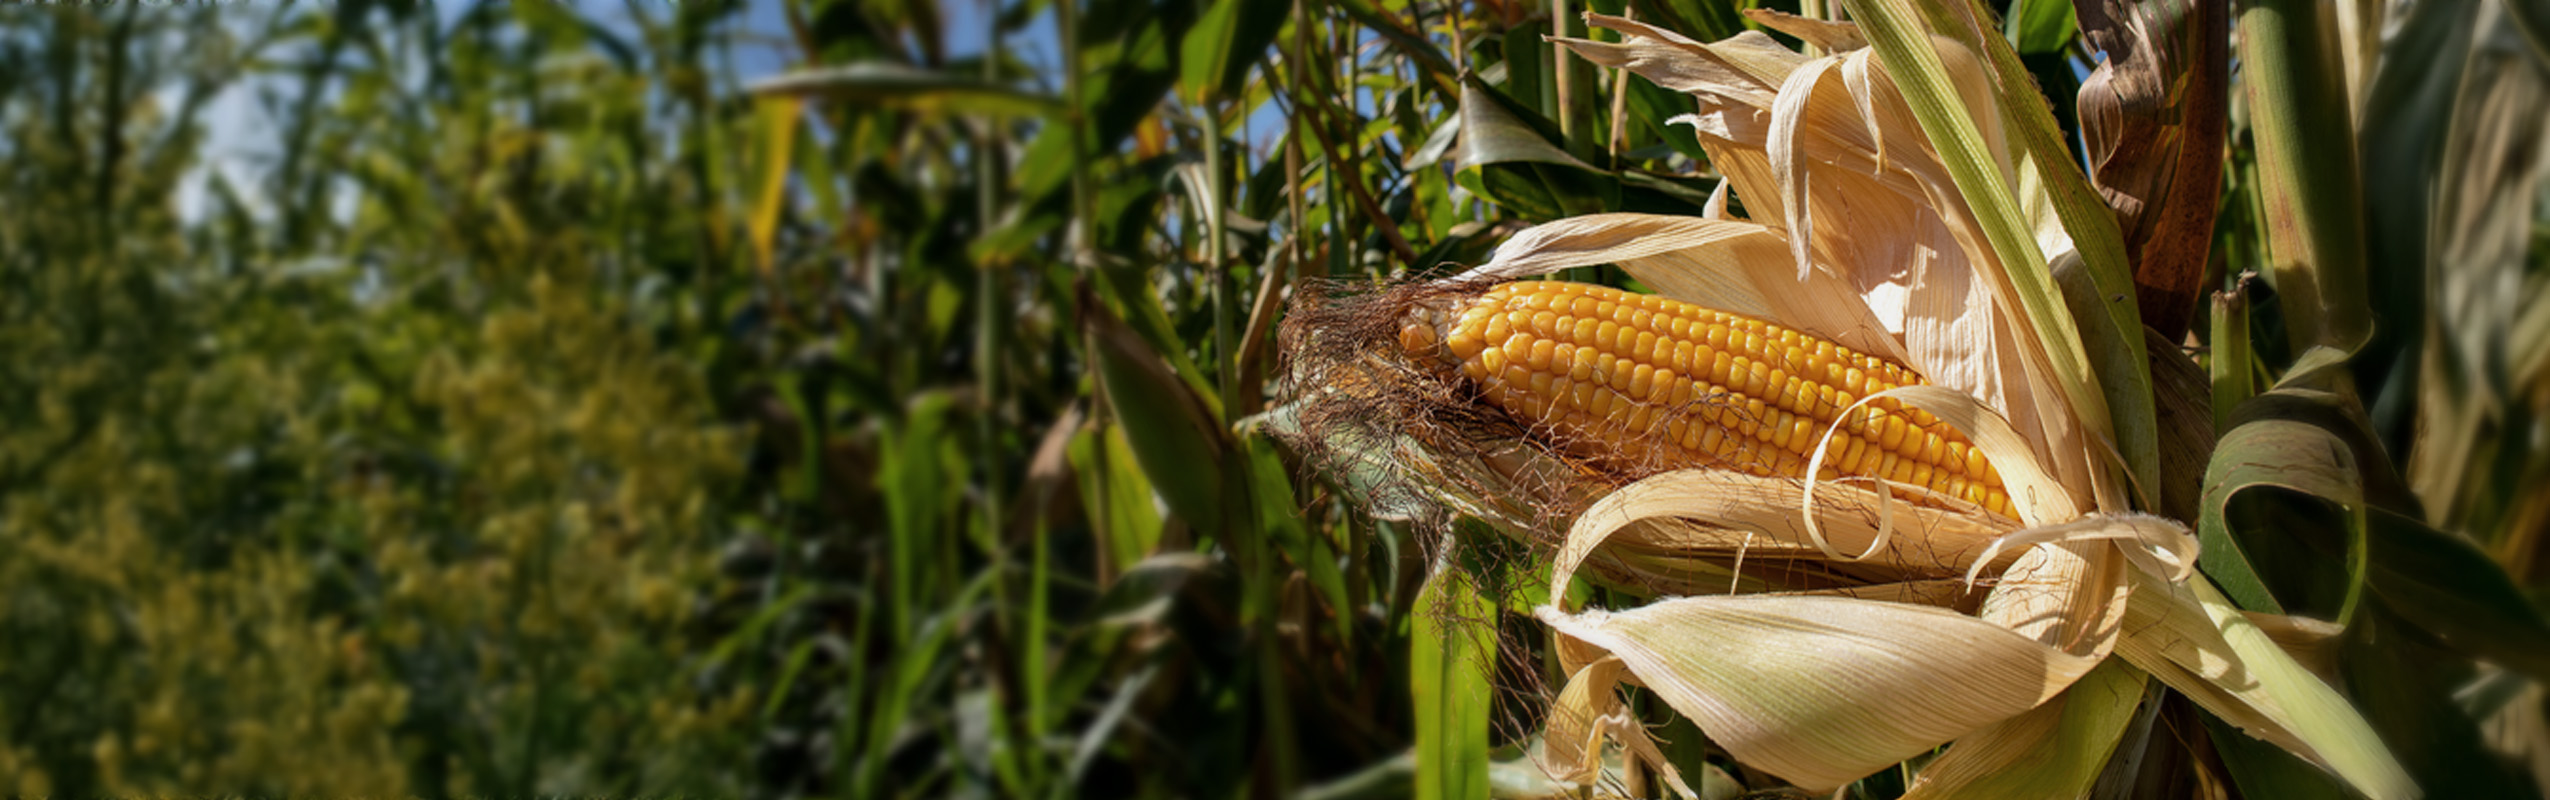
2305	134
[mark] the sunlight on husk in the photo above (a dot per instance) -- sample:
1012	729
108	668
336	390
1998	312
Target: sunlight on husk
1794	621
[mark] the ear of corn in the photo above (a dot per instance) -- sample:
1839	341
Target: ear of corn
1659	382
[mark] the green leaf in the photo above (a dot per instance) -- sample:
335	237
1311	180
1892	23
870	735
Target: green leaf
2040	26
2265	770
777	118
1173	427
894	85
1411	43
1231	35
2452	590
1705	20
1452	639
1280	519
1512	155
1116	494
2283	440
2304	127
1655	107
2413	689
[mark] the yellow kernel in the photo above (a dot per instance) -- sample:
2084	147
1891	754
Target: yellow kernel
1605	402
1545	324
1583	332
1517	375
1518	348
1854	449
1713	440
1463	344
1416	338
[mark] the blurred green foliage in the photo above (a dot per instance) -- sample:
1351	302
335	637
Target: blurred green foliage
406	477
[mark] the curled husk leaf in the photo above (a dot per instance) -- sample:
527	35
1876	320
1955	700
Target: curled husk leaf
1821	631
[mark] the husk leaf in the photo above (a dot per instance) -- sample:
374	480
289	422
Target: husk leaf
1759	676
2192	638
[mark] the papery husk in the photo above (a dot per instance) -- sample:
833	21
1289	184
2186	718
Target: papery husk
1587	712
1822	678
2054	750
1833	141
1758	675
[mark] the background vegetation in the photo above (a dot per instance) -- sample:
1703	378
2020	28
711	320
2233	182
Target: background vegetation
557	407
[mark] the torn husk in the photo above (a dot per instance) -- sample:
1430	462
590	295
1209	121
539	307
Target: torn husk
1816	629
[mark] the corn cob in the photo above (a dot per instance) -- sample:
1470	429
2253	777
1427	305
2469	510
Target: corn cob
1659	382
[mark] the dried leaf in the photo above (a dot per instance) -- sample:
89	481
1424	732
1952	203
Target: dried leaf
2054	750
2152	115
1821	691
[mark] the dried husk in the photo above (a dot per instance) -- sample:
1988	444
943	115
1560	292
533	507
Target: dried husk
1808	629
